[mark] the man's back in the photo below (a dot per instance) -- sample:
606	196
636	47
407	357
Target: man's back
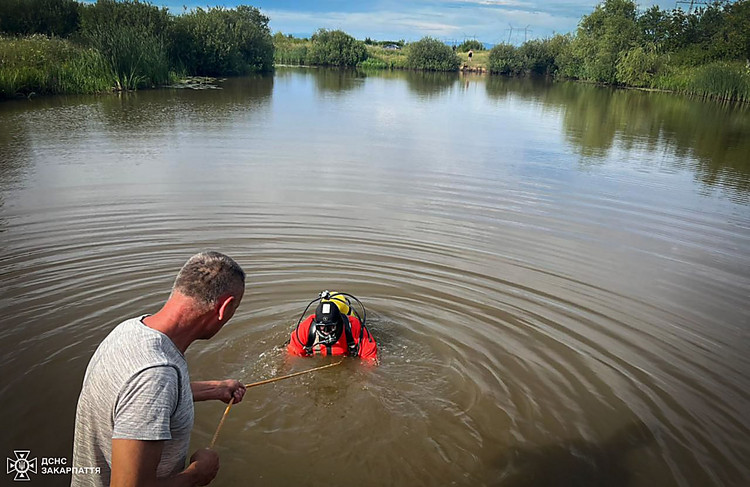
137	386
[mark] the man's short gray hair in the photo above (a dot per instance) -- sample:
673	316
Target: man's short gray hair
208	276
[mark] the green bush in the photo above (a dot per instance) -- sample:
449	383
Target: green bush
335	48
221	41
470	45
505	59
43	65
431	55
49	17
537	57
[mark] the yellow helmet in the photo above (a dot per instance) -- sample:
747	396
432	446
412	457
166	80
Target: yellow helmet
341	302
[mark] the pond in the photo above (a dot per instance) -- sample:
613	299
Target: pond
557	274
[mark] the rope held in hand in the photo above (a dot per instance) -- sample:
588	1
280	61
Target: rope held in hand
267	381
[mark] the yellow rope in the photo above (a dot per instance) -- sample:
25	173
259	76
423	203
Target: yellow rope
267	381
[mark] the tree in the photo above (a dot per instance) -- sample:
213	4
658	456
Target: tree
602	36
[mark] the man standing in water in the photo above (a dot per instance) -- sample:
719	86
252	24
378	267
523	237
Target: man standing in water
135	411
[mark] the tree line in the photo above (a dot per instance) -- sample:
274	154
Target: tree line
125	44
135	44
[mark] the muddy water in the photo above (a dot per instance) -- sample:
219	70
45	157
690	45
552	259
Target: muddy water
557	275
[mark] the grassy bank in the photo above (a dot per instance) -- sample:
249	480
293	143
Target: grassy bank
65	46
43	65
129	44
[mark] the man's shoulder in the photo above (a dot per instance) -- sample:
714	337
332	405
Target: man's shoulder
133	341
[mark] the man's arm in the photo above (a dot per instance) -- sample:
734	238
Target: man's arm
223	390
134	464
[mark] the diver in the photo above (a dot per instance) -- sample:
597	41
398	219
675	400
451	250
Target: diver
334	329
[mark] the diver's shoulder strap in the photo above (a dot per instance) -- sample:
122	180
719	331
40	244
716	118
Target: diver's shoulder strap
351	345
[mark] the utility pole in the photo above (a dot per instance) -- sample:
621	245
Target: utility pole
525	33
511	32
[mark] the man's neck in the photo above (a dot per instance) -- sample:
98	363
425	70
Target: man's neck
178	320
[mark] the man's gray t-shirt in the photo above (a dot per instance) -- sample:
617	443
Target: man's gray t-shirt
137	387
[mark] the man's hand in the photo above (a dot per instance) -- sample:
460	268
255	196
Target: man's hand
232	389
223	390
204	465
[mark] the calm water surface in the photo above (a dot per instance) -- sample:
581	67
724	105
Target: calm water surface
558	275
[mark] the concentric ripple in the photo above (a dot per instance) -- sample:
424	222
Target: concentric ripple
547	313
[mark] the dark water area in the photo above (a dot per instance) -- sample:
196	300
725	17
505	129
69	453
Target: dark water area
558	275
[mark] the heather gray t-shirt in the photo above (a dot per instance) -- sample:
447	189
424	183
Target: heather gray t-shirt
137	386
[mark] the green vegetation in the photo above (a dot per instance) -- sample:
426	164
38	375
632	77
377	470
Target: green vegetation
41	65
470	45
705	52
48	17
431	54
324	48
289	49
131	37
123	45
221	41
134	44
335	48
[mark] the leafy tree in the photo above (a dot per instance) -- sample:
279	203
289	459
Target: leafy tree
638	66
336	48
602	36
431	55
737	33
653	26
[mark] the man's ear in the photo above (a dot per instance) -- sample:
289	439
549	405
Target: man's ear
225	305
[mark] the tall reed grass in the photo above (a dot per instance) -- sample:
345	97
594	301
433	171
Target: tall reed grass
135	58
720	80
43	65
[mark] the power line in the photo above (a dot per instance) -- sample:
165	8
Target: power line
689	2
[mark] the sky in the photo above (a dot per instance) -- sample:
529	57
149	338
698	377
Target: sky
488	21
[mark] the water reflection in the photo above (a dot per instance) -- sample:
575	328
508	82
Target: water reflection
160	109
706	137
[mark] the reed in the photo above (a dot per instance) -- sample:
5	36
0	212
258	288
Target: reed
135	58
44	65
718	80
290	53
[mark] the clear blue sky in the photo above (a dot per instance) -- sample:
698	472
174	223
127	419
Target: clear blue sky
486	20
